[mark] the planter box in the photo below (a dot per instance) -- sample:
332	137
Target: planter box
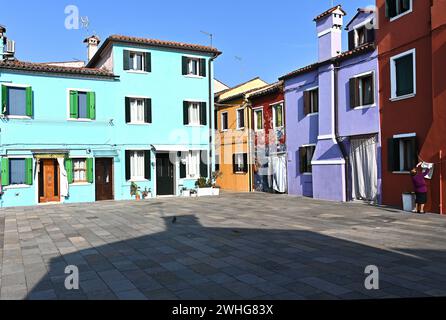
216	191
208	192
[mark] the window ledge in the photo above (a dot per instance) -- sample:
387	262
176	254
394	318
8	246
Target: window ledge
401	15
17	186
240	173
401	172
365	107
80	120
407	96
18	117
224	130
139	123
307	174
195	125
74	184
312	114
138	180
137	71
193	76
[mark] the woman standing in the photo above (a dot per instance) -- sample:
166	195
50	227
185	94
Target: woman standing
420	187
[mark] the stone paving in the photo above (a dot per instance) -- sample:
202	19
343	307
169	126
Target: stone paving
236	246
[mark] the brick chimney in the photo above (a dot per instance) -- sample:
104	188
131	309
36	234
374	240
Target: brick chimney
92	46
329	31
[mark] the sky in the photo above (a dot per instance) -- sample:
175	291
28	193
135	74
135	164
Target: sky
257	37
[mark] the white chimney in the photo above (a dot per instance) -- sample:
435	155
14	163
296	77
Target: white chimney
92	46
329	29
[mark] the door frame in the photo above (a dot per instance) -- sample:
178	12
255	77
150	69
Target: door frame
36	172
175	180
112	173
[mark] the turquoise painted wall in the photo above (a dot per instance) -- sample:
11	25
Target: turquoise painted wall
108	134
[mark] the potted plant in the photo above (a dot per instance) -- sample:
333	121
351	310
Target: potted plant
208	187
185	192
134	191
147	194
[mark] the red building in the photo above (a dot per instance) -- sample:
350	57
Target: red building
268	117
412	61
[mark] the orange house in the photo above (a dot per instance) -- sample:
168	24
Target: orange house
233	143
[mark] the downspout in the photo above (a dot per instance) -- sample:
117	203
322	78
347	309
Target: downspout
211	116
250	158
441	182
337	136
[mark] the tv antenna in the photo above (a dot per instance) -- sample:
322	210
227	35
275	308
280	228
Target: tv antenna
210	35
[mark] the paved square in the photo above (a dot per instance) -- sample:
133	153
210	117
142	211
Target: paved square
237	246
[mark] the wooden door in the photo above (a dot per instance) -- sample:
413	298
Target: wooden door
49	186
164	175
104	179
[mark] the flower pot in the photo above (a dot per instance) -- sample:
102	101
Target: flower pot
185	193
205	192
138	197
148	196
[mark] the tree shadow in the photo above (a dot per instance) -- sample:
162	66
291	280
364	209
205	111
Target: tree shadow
192	261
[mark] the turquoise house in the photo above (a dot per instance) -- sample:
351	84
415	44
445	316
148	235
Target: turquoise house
139	111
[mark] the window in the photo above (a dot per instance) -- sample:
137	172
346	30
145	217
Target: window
193	164
194	113
16	171
193	167
240	119
240	163
361	35
17	101
402	153
79	170
311	101
224	121
138	110
362	91
397	8
194	67
403	75
82	105
138	165
137	61
258	120
306	154
278	115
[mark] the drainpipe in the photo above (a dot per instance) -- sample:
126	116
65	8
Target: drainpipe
211	123
336	128
250	158
441	182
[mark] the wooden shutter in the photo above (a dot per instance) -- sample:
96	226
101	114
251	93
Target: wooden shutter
203	67
370	35
148	60
91	105
128	117
234	164
29	101
69	170
126	60
307	102
302	159
393	154
242	119
353	92
351	40
414	143
128	172
74	105
203	114
245	163
372	85
147	165
183	171
148	110
29	171
184	65
90	176
185	113
204	164
5	171
4	109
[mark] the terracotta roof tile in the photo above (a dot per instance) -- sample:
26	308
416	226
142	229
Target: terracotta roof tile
45	68
265	90
329	11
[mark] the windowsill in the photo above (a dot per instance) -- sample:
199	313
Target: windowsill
241	129
307	174
365	107
195	125
226	130
401	15
19	117
80	120
312	114
74	184
137	71
401	172
240	173
279	128
17	186
139	123
138	180
193	76
407	96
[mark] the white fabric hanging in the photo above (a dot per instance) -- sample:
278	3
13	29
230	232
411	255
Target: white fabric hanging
63	178
364	165
279	175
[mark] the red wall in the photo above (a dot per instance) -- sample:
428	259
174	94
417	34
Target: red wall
420	114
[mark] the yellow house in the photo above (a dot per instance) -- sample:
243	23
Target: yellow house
234	143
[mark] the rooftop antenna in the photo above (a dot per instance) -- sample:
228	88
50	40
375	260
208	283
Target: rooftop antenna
210	35
85	21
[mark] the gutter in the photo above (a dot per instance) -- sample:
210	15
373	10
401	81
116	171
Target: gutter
211	115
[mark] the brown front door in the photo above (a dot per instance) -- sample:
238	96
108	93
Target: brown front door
49	188
104	179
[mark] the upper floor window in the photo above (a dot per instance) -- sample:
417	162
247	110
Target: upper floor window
403	75
278	115
138	110
137	61
403	153
82	105
258	120
224	121
306	154
240	163
16	171
240	119
194	113
194	67
361	35
194	164
311	101
362	90
397	8
17	101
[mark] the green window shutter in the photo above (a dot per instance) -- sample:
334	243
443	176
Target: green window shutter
5	171
4	108
404	75
69	169
126	61
29	101
29	171
74	105
91	101
185	61
203	67
148	60
90	170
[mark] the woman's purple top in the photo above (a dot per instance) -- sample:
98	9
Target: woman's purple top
419	183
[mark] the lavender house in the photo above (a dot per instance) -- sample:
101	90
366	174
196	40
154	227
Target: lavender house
332	114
